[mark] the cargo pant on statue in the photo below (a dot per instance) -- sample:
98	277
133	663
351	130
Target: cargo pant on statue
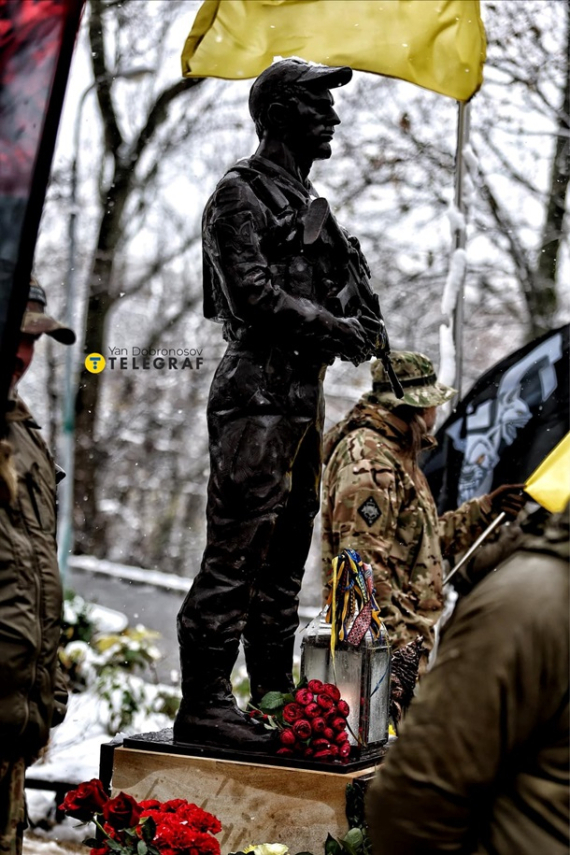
12	806
265	420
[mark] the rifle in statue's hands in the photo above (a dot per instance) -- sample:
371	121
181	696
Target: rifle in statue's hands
350	294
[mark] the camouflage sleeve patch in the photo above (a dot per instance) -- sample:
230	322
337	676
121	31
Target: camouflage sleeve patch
369	511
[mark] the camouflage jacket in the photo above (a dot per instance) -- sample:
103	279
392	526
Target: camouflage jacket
376	500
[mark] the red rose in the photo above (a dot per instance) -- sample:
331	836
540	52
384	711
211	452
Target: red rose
315	686
341	737
292	712
323	754
343	708
114	833
308	752
329	733
150	804
334	750
304	697
338	723
332	690
302	729
313	710
320	744
198	819
174	837
325	701
344	751
287	737
102	851
319	725
122	811
87	799
285	752
174	805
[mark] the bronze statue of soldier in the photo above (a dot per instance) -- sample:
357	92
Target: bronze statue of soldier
291	289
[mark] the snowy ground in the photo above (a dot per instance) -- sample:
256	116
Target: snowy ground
34	845
73	755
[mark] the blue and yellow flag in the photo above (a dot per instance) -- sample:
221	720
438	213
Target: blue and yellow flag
437	44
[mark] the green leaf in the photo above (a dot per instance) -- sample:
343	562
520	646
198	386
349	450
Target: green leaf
332	846
290	699
142	848
114	846
354	838
148	828
271	701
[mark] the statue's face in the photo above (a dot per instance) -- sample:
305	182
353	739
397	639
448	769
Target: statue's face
311	125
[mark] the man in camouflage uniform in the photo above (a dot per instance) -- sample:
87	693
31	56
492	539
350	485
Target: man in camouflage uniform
376	499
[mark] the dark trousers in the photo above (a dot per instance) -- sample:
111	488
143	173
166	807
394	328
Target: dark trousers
265	421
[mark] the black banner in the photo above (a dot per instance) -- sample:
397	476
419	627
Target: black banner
511	419
36	44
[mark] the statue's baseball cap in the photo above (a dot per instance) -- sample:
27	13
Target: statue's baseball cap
297	72
35	320
417	377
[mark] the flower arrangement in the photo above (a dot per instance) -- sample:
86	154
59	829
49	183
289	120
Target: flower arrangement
312	722
149	827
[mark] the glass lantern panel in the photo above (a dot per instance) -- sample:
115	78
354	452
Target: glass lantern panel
379	695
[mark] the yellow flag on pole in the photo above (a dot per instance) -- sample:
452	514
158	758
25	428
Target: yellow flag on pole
549	484
437	44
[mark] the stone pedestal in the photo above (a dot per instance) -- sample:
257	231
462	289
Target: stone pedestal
255	802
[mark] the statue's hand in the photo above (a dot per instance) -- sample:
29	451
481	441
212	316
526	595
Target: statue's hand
353	342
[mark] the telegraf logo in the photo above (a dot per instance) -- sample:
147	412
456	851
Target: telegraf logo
146	359
95	363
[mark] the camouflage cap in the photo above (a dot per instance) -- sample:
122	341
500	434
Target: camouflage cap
417	376
35	320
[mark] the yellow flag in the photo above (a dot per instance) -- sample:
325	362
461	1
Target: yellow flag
549	484
437	44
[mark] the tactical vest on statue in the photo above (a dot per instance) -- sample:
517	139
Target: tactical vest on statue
306	253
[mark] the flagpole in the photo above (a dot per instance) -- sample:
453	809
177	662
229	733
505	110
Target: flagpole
460	240
497	521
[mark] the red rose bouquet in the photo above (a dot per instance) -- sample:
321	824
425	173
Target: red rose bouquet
150	827
312	722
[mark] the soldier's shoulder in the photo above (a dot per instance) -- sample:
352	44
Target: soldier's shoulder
232	178
362	444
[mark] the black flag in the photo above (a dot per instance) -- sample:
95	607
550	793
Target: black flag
511	419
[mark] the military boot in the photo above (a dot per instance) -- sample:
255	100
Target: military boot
209	715
269	668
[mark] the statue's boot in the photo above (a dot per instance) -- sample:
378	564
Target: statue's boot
269	667
209	715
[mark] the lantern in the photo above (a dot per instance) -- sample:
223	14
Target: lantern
354	653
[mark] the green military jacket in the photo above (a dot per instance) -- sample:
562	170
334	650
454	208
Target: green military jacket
376	500
31	697
482	764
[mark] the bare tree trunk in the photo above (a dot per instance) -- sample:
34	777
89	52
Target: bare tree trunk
544	301
102	296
